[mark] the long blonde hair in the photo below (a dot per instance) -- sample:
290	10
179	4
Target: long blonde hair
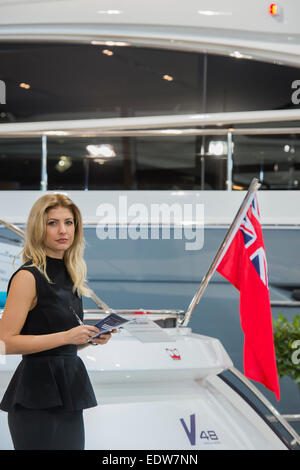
34	248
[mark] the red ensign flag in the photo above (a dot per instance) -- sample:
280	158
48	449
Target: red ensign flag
245	266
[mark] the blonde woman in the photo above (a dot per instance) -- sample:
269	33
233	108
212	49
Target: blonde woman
50	387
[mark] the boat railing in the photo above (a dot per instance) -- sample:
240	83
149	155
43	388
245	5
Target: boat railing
288	417
165	318
160	126
274	416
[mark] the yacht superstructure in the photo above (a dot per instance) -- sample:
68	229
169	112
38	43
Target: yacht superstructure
164	104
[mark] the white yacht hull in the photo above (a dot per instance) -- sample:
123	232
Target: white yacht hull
162	395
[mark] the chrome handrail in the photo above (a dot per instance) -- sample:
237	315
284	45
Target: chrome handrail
285	303
274	412
63	127
135	311
288	417
155	315
172	132
13	228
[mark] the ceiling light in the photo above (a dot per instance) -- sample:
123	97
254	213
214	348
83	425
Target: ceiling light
110	43
217	147
24	85
63	164
169	78
236	54
109	12
100	161
116	43
171	131
107	52
104	150
239	55
58	133
214	13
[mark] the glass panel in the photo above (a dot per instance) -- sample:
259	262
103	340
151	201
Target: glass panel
157	163
76	81
179	163
236	84
95	163
20	164
273	159
167	163
52	81
146	163
65	164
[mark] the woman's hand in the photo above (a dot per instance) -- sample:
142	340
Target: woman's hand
81	334
104	338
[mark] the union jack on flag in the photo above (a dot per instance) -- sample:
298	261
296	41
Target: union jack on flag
251	230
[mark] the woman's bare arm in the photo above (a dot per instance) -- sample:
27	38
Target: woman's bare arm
20	299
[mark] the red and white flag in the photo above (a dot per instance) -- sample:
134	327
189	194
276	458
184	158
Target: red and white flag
245	266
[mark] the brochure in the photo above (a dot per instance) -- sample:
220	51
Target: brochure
109	323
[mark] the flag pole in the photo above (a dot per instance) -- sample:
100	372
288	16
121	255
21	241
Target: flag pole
254	186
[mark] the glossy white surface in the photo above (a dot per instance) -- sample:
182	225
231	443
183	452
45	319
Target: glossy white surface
205	13
276	207
126	359
147	400
178	415
211	26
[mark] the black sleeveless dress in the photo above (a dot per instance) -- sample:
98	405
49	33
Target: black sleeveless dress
56	377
